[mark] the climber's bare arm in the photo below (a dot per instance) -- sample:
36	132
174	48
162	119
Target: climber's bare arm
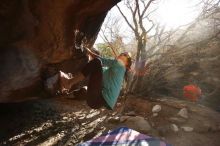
92	53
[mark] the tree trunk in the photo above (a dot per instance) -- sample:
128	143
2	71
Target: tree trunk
136	82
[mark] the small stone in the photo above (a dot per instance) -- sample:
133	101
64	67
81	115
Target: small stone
174	127
118	104
177	120
114	113
187	129
65	118
156	109
155	114
114	120
131	113
102	109
183	113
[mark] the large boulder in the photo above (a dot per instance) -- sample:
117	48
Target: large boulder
137	123
38	37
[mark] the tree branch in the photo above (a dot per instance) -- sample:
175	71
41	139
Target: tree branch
146	7
125	18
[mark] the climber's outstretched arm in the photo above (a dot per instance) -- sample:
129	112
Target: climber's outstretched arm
92	53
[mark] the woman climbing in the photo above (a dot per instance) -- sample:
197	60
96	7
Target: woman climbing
105	79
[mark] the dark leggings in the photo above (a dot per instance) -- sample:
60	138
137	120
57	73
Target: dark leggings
93	70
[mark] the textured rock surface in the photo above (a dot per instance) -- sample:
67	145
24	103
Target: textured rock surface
61	121
138	123
38	37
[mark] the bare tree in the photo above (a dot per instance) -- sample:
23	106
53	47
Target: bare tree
190	59
139	10
111	36
168	60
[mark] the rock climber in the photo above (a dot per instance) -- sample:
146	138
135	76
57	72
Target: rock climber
105	79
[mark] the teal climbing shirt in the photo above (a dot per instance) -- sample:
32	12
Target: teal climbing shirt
113	76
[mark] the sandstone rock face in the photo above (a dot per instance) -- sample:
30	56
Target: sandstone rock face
40	35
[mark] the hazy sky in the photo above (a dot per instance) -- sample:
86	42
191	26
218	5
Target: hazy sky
171	13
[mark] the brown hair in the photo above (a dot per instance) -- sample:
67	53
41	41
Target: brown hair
129	63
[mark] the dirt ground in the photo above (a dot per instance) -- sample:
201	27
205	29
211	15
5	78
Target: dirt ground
61	121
